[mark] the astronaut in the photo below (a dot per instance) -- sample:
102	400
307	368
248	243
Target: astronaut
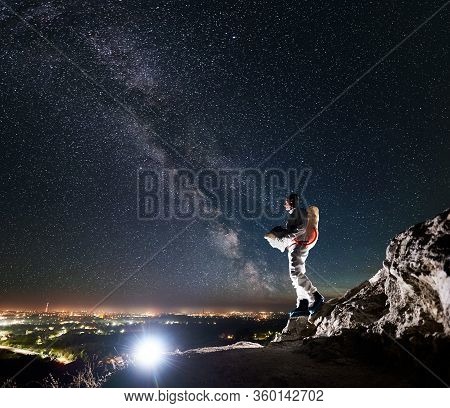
298	236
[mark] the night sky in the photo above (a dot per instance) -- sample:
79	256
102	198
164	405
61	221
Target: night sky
93	91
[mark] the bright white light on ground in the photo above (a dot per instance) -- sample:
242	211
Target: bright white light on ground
149	352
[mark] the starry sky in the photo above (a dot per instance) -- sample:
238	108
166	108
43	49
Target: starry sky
92	91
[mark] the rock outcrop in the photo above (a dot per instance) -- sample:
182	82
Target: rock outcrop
409	296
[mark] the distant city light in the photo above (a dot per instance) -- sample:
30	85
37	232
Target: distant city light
149	352
31	331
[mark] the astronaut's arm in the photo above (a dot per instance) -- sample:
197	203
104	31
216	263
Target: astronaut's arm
295	232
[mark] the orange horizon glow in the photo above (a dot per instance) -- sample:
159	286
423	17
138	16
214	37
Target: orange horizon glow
148	312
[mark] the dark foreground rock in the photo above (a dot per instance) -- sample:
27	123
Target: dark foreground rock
29	371
316	362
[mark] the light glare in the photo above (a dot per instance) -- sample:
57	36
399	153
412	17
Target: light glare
149	352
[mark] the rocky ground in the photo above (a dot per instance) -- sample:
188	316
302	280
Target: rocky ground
313	364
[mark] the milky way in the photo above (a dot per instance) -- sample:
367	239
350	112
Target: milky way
93	91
